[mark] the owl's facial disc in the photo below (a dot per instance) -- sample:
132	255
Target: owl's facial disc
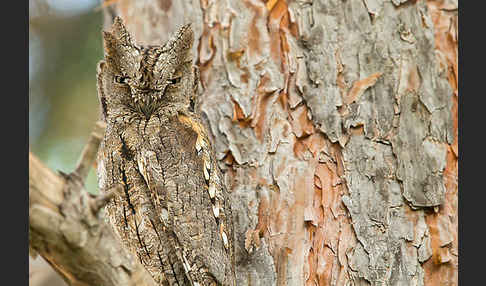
147	93
147	78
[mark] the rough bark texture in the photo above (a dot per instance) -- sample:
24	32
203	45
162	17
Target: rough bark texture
66	230
335	123
336	126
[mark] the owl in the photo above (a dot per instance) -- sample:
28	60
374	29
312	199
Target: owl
174	212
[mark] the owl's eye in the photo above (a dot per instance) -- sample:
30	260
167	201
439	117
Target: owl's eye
120	79
174	80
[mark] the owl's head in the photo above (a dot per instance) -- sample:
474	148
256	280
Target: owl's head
145	79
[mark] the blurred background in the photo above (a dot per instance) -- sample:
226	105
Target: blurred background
64	49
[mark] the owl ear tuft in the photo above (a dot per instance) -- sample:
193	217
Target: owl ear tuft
109	42
176	51
118	36
111	46
181	42
120	31
118	45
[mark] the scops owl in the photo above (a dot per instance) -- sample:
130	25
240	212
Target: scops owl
174	211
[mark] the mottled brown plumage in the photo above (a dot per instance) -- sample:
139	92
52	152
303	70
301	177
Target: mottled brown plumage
175	213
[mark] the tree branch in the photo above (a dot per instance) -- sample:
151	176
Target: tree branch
68	231
88	154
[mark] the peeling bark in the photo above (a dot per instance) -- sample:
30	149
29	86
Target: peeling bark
335	123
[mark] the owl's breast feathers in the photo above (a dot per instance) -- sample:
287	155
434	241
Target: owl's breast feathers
184	184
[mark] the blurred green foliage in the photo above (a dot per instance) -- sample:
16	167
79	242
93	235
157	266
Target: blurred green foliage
63	103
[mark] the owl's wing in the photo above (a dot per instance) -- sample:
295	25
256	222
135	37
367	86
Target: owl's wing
186	184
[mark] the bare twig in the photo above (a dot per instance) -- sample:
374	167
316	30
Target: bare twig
88	154
101	200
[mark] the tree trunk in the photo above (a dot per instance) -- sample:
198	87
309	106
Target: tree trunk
335	123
